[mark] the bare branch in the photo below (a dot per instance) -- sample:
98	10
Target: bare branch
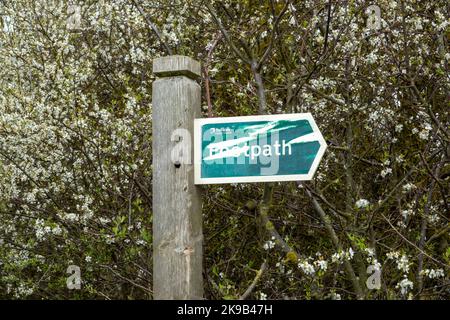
254	282
225	33
327	222
272	39
153	27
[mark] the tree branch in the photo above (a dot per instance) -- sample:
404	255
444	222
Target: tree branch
254	282
272	39
225	33
328	226
153	27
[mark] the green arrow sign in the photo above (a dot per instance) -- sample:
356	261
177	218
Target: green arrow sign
285	147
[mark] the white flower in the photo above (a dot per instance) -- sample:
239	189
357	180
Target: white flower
110	239
319	38
72	217
335	296
88	259
370	252
57	230
23	291
321	264
140	242
262	296
419	25
371	58
350	253
403	263
376	265
340	256
433	218
104	220
407	213
280	267
39	228
269	245
408	187
424	134
405	285
337	257
433	273
307	268
386	172
362	203
399	159
393	255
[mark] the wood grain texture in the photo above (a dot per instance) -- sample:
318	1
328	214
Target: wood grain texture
177	208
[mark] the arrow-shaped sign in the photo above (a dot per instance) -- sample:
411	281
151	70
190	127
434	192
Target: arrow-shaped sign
285	147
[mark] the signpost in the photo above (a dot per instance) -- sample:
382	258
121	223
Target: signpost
226	150
177	203
285	147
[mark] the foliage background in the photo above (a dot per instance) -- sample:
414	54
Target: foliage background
75	146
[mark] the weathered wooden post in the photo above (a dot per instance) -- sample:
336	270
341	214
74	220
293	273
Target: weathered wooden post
177	208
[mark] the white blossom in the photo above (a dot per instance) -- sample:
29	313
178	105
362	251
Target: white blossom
307	267
405	286
408	187
362	203
269	245
433	273
321	264
386	172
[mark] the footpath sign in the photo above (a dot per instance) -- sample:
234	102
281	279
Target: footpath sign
284	147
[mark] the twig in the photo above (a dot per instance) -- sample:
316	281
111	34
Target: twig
324	95
268	225
272	39
254	282
225	33
412	244
328	27
206	72
366	161
126	279
152	26
327	222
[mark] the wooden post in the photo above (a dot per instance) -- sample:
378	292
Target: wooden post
177	207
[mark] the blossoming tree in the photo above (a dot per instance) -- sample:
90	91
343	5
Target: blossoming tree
75	137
